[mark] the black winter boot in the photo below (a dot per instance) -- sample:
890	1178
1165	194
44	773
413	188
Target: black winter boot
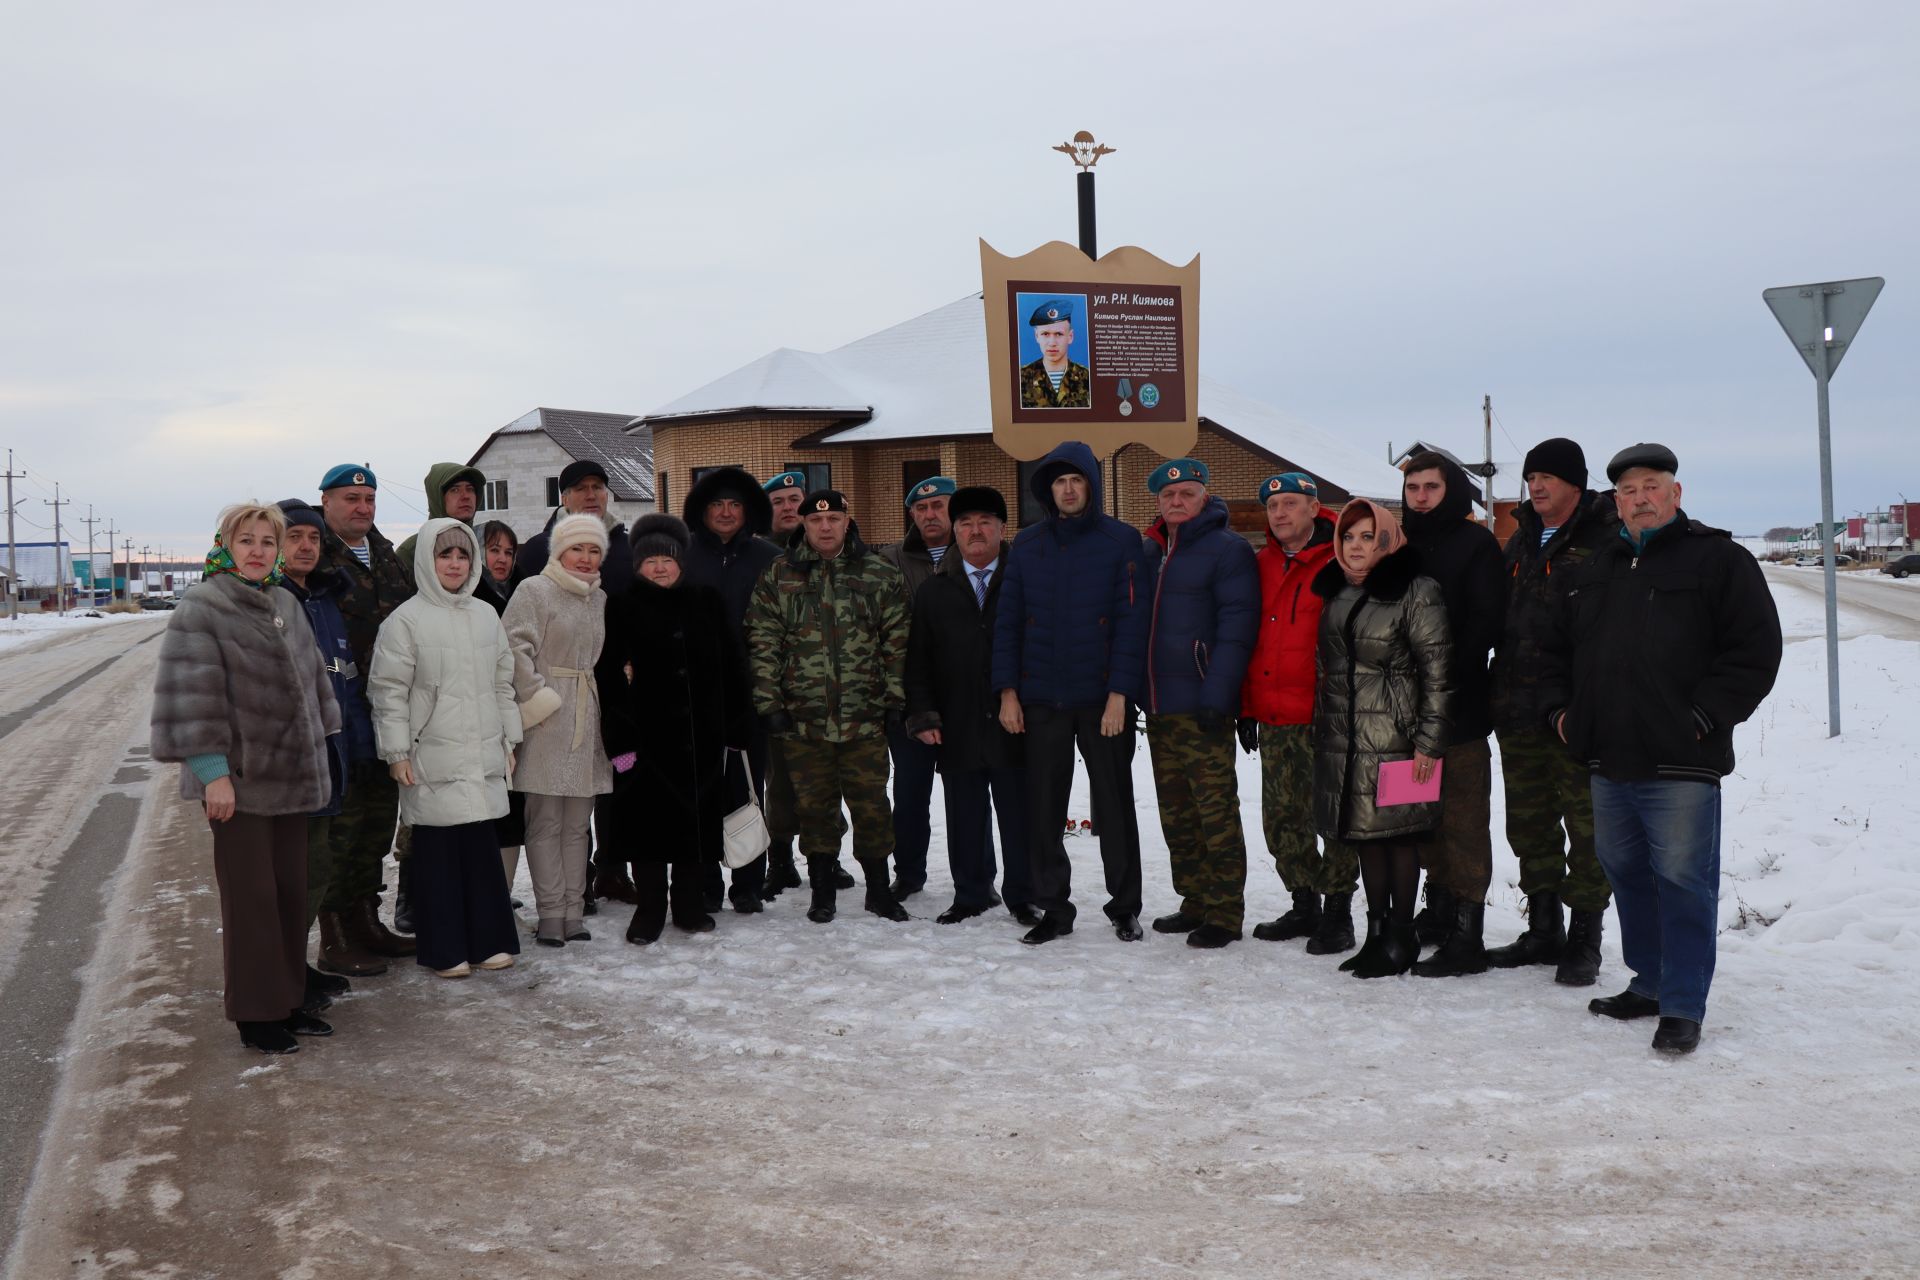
403	900
1300	922
880	900
781	873
1580	957
1540	944
821	875
1334	933
267	1037
1435	920
1370	950
1463	952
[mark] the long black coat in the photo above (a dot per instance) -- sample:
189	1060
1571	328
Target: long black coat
1538	579
685	707
1464	558
950	669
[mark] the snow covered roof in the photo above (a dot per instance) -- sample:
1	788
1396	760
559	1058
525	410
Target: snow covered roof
928	377
594	437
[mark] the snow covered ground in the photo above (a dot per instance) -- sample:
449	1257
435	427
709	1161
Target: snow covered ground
780	1098
36	626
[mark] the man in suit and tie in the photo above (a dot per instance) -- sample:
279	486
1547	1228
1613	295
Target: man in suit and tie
952	707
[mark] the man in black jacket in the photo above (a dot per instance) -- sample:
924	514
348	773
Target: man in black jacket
1563	525
918	556
1463	556
1668	642
952	709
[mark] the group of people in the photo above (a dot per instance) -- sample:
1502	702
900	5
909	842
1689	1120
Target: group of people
606	697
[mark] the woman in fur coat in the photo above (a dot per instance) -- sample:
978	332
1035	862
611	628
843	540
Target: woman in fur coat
445	722
1383	693
675	701
556	624
244	703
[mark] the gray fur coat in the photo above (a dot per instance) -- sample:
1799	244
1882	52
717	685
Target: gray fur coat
241	676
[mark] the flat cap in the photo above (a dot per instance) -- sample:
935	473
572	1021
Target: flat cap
1656	456
574	472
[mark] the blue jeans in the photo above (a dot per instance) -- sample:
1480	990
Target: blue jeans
1659	843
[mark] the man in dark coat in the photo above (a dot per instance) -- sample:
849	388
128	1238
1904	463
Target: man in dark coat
1205	615
453	492
727	512
917	556
952	711
584	491
318	592
1668	641
1463	556
1562	526
784	493
1069	661
361	834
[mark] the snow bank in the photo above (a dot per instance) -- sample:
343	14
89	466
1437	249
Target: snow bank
29	627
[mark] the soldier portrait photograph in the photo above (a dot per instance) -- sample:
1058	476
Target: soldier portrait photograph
1054	354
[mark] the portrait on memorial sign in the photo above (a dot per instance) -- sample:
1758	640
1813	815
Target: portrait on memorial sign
1054	351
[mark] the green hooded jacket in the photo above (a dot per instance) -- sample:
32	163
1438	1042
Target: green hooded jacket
441	476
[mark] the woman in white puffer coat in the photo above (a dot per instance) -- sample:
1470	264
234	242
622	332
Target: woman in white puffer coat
445	722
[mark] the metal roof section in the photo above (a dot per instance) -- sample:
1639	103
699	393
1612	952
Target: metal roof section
594	437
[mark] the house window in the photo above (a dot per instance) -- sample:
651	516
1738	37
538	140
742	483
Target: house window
912	473
553	491
819	474
494	497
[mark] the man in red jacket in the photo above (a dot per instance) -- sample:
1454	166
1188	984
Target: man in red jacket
1276	709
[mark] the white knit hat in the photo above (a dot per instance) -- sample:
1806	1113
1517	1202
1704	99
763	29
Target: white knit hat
573	531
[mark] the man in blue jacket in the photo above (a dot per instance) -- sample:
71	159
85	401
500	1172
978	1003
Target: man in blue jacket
1204	618
1068	664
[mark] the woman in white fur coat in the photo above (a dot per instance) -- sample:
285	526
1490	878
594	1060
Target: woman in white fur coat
556	624
445	722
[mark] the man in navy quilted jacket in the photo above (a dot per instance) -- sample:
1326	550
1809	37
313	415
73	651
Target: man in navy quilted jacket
1069	662
1206	613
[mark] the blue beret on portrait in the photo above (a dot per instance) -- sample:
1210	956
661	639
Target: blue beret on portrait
1289	482
786	480
348	473
1052	311
931	487
1175	471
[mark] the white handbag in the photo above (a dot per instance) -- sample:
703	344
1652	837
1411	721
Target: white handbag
744	835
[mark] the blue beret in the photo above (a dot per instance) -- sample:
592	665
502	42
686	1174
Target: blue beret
1289	482
786	480
348	473
931	487
1052	311
1175	471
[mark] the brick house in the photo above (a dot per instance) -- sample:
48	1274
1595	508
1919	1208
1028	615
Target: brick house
523	460
878	415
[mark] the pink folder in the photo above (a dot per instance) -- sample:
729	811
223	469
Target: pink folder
1398	787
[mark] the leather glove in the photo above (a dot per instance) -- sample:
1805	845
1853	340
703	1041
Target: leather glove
777	723
1249	731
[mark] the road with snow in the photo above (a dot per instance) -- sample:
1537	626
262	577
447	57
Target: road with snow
1871	603
784	1099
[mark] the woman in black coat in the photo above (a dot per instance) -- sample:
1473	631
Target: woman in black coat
674	701
499	546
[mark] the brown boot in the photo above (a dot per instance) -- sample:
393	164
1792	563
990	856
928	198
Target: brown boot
339	952
375	936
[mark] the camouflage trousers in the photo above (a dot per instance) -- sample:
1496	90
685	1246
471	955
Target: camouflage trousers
1549	792
826	773
1286	812
1199	791
361	834
1459	858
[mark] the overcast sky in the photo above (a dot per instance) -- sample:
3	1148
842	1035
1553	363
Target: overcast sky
241	242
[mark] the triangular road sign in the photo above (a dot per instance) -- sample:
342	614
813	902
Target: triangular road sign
1823	315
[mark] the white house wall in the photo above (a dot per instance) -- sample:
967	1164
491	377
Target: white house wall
526	460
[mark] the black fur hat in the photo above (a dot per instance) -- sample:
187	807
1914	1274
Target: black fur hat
658	534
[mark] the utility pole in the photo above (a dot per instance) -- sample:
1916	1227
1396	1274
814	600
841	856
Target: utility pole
61	572
113	579
13	573
128	544
1486	419
93	585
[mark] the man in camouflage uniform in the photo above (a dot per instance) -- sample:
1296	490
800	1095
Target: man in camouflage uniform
1276	709
827	638
1054	381
362	832
1562	526
1206	613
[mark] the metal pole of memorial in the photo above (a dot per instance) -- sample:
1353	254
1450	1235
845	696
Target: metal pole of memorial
1086	153
1820	320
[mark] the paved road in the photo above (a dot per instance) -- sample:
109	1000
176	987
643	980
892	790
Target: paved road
73	733
1870	603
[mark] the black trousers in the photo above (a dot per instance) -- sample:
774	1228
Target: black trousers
747	880
1052	734
461	911
969	838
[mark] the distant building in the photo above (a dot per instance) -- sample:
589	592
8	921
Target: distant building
523	460
875	417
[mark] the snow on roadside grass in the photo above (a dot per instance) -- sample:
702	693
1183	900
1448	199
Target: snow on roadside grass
29	627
